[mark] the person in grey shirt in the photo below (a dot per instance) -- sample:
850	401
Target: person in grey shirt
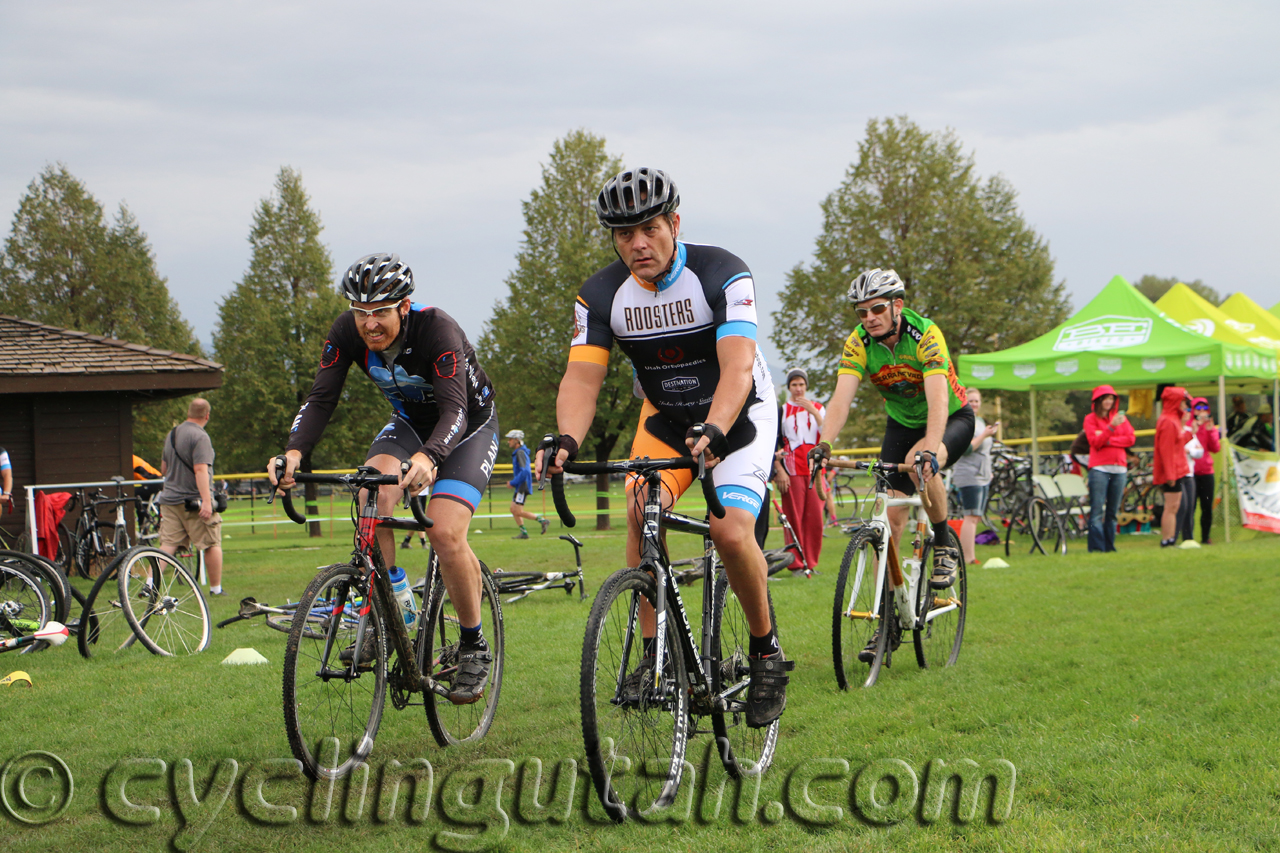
187	467
972	475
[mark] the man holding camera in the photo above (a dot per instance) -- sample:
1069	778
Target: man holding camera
189	515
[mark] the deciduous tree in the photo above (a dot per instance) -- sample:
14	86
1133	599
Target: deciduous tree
913	202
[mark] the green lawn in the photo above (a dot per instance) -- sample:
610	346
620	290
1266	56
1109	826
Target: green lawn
1135	694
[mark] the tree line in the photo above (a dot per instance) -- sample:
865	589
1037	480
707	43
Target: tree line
912	200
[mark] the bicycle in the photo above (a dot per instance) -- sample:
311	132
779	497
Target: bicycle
22	542
328	699
640	719
775	559
524	583
91	549
157	602
1034	516
872	614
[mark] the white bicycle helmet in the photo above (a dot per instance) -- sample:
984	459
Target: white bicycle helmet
876	282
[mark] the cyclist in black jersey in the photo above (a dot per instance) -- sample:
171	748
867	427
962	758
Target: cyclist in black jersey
685	315
444	425
905	356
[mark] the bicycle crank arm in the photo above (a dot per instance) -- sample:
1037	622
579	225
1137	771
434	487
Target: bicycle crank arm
429	683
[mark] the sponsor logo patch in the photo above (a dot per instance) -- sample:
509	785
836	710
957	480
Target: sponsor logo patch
679	384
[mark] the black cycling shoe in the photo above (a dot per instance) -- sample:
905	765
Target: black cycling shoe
472	674
945	562
367	654
767	692
635	682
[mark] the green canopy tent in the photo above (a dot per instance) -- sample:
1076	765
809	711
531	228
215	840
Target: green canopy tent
1275	309
1120	338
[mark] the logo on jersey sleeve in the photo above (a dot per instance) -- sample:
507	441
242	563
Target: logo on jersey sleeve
854	356
932	351
579	324
447	365
329	356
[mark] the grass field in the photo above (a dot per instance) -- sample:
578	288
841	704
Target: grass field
1135	694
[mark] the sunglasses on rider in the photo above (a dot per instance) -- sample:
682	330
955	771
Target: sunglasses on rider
877	309
383	313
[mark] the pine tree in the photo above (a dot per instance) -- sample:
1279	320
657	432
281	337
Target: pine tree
270	333
525	344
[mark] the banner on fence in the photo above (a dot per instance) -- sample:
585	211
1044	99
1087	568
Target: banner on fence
1258	485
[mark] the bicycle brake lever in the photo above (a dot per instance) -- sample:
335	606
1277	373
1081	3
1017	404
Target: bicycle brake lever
281	467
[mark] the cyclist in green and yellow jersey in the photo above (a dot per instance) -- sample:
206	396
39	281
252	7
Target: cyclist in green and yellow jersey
905	356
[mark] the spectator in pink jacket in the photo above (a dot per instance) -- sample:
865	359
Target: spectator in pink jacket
1207	435
1173	431
1109	433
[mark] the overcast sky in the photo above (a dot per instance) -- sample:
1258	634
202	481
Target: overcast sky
1141	137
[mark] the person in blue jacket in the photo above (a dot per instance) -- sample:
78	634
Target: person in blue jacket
522	482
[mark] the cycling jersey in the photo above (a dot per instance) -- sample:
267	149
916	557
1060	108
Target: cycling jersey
4	460
899	373
433	383
669	330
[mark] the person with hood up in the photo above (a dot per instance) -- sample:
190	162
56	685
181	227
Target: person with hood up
1207	434
1173	431
1108	432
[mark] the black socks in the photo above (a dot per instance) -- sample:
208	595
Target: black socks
761	646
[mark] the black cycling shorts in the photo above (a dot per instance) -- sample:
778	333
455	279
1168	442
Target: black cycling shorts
464	474
899	439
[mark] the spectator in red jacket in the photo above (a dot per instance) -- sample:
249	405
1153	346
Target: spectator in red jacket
1173	431
1207	435
1108	432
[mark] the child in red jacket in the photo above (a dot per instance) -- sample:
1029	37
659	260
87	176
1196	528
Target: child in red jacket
1173	431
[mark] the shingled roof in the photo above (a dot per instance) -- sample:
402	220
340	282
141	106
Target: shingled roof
35	358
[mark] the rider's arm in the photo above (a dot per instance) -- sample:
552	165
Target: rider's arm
736	355
335	361
935	393
6	477
576	402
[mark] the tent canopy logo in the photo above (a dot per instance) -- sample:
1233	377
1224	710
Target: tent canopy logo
1110	332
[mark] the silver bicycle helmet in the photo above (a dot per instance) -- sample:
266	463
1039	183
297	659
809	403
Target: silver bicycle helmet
876	282
377	278
635	196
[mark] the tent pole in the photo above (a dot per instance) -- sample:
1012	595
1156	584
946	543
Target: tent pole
1275	413
1226	458
1035	444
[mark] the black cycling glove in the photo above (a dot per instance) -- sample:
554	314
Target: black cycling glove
718	446
818	454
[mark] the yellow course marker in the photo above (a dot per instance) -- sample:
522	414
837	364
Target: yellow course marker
15	677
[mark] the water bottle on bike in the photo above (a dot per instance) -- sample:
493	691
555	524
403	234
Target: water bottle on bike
404	595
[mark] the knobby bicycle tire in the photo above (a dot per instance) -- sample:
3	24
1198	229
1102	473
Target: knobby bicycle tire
937	641
855	594
170	614
749	751
313	625
634	734
453	724
331	724
103	628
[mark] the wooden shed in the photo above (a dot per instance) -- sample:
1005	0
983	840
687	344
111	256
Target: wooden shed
66	400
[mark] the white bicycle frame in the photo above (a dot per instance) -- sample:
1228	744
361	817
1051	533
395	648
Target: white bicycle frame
911	575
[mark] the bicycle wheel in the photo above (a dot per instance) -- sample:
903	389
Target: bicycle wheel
857	612
630	727
103	628
120	541
24	607
1048	527
450	723
750	751
324	701
54	583
163	602
941	615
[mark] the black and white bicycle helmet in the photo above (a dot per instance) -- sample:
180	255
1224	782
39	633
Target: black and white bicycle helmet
377	278
876	282
635	196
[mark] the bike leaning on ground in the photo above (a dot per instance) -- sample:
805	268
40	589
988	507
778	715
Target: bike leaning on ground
334	695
